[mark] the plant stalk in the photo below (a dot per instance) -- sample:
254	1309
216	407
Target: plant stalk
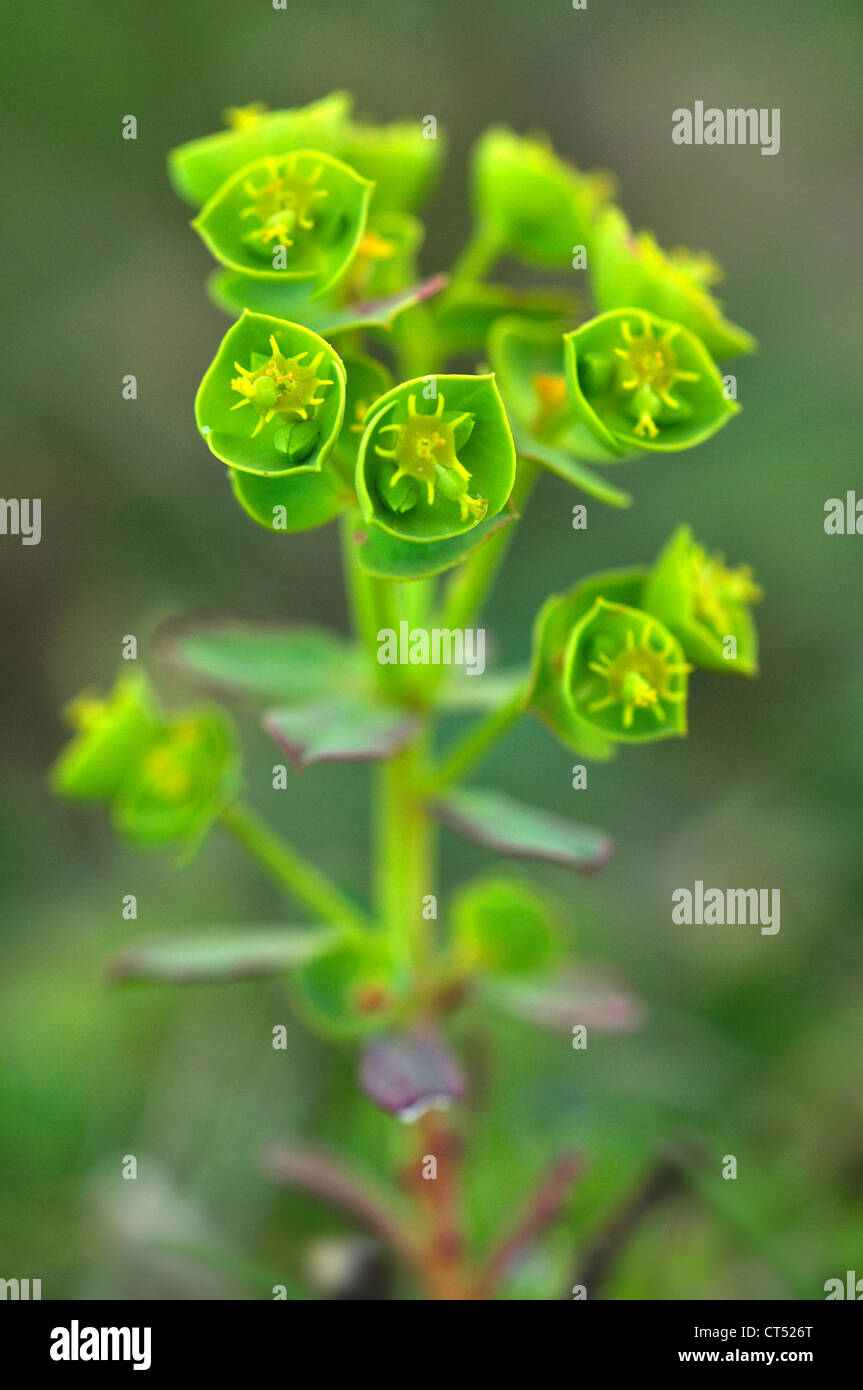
290	870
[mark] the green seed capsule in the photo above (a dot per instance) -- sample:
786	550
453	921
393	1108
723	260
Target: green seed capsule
298	441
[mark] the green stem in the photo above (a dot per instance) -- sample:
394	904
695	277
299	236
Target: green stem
476	258
371	602
290	870
405	855
476	742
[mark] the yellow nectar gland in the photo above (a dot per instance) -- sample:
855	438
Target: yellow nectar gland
652	371
425	444
165	773
639	677
244	117
85	712
281	386
719	590
551	393
285	202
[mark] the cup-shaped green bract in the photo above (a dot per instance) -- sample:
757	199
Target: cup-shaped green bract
110	735
386	258
529	360
352	989
273	399
292	502
529	203
550	697
367	381
183	779
199	167
632	270
403	160
436	458
640	383
625	675
705	604
296	216
503	926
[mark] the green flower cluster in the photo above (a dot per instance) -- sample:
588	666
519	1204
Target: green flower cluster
312	217
612	657
165	777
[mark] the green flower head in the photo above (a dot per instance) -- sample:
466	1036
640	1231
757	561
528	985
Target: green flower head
633	271
436	458
400	159
604	670
201	166
530	362
289	217
273	399
110	734
182	780
705	604
529	203
640	382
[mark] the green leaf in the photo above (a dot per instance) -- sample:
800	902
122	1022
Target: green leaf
233	657
633	271
293	383
573	997
199	167
222	954
436	458
503	926
293	301
509	827
644	384
299	216
351	990
468	312
496	688
341	729
387	557
568	467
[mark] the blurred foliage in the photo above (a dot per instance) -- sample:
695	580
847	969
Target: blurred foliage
752	1043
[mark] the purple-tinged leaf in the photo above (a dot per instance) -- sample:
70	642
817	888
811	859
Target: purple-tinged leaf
408	1074
259	660
562	1001
221	955
345	729
509	827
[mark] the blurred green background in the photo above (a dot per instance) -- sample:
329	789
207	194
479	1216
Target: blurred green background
752	1042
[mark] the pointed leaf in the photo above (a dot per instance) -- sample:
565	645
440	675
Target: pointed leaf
574	997
343	729
230	953
509	827
233	657
233	292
